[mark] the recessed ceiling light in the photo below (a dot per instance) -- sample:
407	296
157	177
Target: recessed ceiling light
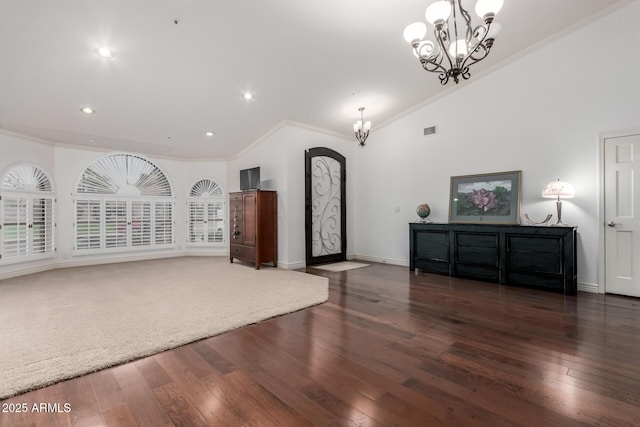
247	95
105	52
88	110
209	133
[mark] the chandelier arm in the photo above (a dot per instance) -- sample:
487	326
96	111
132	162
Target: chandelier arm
481	47
435	67
361	136
482	52
464	72
467	20
443	50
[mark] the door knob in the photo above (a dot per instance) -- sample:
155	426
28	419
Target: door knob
611	224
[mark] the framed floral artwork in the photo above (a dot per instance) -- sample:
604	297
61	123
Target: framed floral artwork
491	198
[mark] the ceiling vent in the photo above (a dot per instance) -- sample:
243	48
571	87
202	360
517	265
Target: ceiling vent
430	131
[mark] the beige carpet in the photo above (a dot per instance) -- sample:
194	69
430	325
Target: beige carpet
63	323
341	266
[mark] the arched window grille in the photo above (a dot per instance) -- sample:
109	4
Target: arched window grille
206	214
123	202
27	215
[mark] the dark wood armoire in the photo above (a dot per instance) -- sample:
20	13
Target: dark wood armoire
254	227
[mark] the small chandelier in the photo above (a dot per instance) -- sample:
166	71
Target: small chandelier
361	128
451	55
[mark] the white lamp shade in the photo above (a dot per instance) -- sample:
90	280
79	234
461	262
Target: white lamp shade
558	189
493	32
488	7
438	11
367	126
415	31
357	126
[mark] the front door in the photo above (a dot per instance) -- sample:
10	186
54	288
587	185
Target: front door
325	206
622	215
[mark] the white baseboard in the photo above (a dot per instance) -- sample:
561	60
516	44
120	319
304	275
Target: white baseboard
82	261
589	287
292	265
23	270
207	252
392	261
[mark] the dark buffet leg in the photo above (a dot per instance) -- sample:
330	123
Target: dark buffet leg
389	348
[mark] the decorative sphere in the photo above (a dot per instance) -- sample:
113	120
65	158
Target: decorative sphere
423	210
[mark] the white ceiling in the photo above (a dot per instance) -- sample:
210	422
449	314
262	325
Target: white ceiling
307	61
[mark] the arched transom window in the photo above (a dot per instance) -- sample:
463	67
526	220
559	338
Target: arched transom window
27	210
123	202
125	175
206	213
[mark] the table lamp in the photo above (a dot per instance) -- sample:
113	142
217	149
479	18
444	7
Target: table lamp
559	190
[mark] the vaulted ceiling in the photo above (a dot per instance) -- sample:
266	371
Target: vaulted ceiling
181	67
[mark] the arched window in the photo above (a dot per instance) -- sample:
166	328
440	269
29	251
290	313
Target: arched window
27	213
206	213
123	202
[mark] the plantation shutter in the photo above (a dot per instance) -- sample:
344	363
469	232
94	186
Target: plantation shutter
197	226
141	223
115	223
215	221
88	215
164	223
42	225
15	227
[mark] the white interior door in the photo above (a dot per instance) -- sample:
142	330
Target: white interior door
622	235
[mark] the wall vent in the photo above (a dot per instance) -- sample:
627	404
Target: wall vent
430	131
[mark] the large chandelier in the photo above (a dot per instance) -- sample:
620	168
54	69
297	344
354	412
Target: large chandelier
458	44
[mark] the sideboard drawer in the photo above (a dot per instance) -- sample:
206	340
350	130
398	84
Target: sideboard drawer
477	249
535	254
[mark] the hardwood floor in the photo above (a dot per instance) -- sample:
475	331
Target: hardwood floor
389	348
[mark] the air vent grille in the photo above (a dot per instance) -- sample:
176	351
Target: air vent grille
430	131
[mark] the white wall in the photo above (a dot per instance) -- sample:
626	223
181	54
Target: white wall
280	156
542	114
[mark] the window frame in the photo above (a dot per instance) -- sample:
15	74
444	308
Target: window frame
216	202
30	195
157	229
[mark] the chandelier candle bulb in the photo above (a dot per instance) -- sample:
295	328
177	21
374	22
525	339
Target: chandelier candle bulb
487	9
437	13
415	32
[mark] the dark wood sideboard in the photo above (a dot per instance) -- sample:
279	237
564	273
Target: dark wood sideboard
538	257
